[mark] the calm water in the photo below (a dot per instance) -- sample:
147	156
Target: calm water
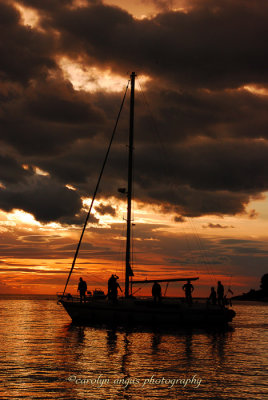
43	356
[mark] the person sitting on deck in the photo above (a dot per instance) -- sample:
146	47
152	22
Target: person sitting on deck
213	296
220	293
156	292
113	286
82	288
188	288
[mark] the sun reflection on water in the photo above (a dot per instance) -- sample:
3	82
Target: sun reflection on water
42	356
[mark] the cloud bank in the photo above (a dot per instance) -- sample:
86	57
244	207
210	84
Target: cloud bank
203	152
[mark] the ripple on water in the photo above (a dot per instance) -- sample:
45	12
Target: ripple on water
40	351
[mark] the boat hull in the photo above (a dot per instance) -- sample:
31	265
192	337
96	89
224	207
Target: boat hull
130	312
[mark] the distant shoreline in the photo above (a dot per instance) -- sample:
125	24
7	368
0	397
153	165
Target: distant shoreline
4	296
251	297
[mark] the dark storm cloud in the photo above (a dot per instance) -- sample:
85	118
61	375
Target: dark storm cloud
210	46
206	177
180	114
40	112
213	156
77	219
57	101
221	155
44	198
11	171
193	203
46	116
24	53
103	209
222	166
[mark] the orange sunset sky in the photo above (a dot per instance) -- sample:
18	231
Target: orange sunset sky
201	149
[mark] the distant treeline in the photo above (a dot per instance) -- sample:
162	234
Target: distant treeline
256	295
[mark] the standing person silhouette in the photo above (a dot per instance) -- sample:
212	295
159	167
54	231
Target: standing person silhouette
82	288
188	289
220	293
213	296
113	286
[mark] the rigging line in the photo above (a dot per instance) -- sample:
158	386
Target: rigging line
164	153
166	289
202	248
96	188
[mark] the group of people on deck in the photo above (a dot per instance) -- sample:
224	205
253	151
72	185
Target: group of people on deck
113	286
214	297
217	297
188	289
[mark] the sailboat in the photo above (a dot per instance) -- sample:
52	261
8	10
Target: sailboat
128	309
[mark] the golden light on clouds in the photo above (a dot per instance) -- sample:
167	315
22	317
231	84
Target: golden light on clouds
93	79
79	3
105	220
54	246
257	90
22	217
37	170
70	187
141	9
211	110
29	16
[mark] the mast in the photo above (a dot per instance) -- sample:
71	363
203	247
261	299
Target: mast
129	190
96	190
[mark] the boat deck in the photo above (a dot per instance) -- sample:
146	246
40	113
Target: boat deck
146	311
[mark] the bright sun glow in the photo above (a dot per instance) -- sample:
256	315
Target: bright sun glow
19	216
93	79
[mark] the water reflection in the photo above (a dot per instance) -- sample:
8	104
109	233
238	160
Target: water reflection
119	341
218	343
188	348
39	352
121	353
126	353
111	341
155	342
